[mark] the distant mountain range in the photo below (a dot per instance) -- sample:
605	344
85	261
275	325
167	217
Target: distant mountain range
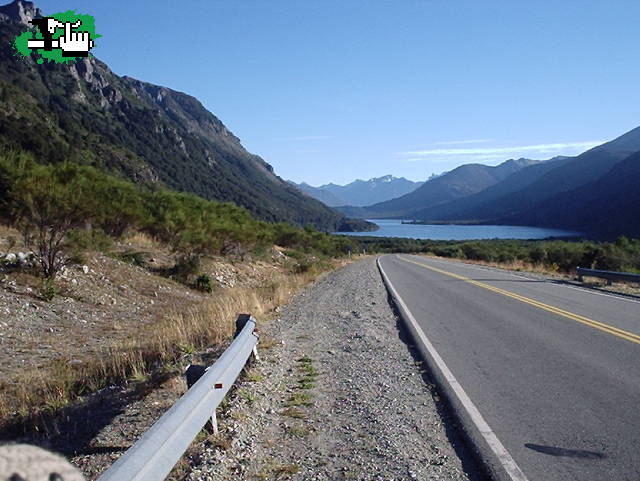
460	182
361	192
596	192
151	134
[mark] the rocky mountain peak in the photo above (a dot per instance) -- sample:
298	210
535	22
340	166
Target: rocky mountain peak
520	161
20	11
384	178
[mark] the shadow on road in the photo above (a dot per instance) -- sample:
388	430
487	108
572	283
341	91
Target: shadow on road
569	453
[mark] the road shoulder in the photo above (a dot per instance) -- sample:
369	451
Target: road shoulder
337	395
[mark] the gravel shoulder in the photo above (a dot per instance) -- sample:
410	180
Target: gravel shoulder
336	395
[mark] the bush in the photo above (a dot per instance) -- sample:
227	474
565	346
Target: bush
48	290
302	267
48	203
204	283
80	241
137	258
186	267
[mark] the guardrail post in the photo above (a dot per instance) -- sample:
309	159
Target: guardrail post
241	321
214	423
193	373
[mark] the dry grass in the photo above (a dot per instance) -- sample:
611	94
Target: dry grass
274	470
267	342
253	375
298	431
160	346
10	240
142	241
300	399
295	413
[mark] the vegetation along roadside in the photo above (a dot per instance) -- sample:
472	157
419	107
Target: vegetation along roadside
104	282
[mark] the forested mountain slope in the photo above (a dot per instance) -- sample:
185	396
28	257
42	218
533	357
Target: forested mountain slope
84	112
609	206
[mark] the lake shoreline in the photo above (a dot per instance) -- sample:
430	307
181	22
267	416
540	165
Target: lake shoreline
398	228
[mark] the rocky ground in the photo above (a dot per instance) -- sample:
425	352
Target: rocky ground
101	302
336	395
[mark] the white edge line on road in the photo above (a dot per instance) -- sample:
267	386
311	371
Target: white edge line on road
508	273
588	291
504	458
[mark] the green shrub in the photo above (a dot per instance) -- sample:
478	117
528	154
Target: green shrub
47	204
302	267
49	290
204	283
80	241
186	267
137	258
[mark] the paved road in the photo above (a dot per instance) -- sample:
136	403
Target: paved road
553	369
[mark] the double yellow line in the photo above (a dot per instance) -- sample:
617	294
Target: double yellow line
629	336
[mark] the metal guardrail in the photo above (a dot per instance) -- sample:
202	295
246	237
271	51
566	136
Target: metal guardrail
608	275
155	454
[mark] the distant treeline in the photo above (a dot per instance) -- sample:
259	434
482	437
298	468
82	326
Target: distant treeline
562	255
67	206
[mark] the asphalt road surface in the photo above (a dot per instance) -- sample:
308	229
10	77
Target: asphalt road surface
553	369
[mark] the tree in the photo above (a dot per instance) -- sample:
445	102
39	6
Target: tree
48	203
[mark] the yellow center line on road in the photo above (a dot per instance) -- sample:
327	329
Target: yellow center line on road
629	336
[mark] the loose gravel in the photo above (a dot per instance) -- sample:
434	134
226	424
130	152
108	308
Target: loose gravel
336	395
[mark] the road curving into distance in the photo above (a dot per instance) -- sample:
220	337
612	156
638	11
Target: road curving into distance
553	370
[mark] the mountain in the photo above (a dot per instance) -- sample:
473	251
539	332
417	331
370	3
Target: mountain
478	206
460	182
151	134
510	200
608	206
362	192
320	194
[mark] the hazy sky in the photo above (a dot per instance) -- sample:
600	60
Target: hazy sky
331	91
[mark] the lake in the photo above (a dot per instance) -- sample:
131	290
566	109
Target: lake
395	228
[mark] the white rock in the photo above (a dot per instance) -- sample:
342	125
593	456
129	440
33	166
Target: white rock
10	257
85	269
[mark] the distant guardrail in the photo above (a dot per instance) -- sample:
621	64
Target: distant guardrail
610	276
155	454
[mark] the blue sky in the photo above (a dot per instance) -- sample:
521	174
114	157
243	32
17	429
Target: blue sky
331	91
